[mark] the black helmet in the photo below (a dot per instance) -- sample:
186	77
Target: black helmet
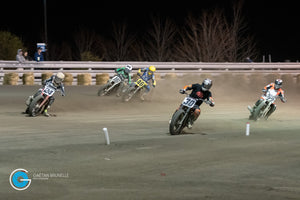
278	83
206	84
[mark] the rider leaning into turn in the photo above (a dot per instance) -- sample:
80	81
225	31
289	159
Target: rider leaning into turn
56	80
147	74
202	92
280	93
125	73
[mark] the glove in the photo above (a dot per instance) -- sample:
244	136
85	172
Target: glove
182	91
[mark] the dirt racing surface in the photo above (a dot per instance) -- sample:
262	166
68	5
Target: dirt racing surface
66	156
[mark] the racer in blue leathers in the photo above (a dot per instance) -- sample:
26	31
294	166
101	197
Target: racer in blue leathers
147	74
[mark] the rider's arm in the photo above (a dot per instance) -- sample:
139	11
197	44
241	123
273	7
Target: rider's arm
281	96
188	87
48	80
119	69
210	99
185	88
266	88
141	70
62	89
153	81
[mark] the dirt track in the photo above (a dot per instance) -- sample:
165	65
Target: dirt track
214	160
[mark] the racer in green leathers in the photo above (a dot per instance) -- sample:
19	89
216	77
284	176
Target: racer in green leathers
125	73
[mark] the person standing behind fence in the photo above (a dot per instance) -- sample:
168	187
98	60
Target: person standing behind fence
19	56
38	56
26	56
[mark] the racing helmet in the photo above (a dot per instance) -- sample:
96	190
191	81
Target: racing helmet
152	69
59	77
128	68
278	84
206	84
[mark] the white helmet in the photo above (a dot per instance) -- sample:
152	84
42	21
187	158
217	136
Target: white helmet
206	84
128	68
59	77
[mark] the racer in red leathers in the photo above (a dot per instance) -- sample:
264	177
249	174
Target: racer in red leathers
280	93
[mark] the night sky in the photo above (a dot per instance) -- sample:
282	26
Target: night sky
274	24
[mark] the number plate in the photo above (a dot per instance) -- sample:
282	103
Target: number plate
49	91
189	102
140	83
271	95
116	79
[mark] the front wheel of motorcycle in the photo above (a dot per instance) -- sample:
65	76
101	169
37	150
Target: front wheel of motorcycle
257	112
102	90
175	127
34	108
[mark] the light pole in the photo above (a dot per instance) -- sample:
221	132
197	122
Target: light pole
45	27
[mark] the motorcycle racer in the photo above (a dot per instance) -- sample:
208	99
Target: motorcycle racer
124	72
56	80
147	74
202	92
280	93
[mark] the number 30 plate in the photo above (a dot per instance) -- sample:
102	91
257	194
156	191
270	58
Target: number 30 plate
189	102
49	91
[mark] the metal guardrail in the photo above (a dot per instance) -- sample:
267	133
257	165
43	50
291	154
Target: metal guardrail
79	67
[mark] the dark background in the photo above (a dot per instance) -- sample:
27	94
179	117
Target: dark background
274	24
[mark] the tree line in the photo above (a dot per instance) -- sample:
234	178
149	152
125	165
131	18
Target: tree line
212	36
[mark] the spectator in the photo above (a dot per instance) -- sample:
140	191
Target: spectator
38	56
26	56
19	56
248	59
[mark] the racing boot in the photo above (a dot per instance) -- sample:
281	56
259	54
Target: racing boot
255	105
142	96
250	109
46	114
190	123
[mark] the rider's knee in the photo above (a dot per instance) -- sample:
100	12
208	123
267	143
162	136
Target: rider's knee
197	112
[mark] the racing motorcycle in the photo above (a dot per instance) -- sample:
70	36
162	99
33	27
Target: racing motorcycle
182	116
113	83
261	110
37	104
137	86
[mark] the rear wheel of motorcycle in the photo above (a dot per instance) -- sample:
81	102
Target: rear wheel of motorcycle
102	89
34	109
174	127
128	94
257	112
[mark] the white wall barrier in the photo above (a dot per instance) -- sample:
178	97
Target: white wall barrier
179	68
